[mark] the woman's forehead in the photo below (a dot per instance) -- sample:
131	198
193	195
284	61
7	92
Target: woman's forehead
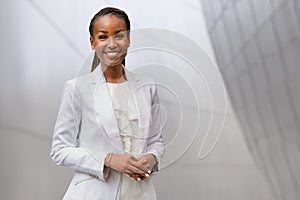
109	22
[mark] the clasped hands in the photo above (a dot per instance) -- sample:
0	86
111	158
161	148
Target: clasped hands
136	168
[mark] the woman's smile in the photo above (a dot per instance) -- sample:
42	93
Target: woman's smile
112	54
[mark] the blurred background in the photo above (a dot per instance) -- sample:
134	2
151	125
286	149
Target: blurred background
256	47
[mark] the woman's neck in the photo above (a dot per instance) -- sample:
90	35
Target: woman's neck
114	74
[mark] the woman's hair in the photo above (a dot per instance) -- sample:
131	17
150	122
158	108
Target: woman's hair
107	11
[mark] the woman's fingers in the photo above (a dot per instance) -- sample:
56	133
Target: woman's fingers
137	168
127	164
148	161
136	176
141	167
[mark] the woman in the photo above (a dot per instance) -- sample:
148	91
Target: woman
108	127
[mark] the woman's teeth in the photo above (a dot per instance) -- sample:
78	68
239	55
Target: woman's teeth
112	54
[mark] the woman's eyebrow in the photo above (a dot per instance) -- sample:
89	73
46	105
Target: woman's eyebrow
118	31
102	31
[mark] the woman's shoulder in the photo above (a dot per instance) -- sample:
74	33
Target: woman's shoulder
139	77
79	82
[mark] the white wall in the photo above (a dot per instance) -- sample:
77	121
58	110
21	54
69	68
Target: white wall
44	43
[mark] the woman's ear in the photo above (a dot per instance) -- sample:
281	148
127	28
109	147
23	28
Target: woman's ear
92	42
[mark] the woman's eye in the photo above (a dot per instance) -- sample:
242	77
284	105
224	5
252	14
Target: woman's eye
120	36
102	37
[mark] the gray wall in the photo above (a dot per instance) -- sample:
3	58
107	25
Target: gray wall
257	45
45	43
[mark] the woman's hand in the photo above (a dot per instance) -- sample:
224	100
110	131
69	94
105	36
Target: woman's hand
125	163
137	168
147	161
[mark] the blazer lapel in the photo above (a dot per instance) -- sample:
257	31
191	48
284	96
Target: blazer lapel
142	105
104	110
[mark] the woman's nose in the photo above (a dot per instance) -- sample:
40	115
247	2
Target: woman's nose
111	42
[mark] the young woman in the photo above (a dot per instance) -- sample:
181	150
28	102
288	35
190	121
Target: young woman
108	127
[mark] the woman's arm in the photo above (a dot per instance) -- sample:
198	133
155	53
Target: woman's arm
64	150
155	144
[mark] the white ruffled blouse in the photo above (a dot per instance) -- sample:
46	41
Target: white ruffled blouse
127	119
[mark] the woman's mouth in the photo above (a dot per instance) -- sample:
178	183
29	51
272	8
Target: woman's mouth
112	54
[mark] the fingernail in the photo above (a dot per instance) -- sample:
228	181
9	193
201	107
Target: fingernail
149	171
138	179
147	175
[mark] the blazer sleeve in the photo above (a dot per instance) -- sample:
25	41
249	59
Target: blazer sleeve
155	144
64	149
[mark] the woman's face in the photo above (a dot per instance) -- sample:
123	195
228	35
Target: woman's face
110	40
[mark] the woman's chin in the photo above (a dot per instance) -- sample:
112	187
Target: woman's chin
112	63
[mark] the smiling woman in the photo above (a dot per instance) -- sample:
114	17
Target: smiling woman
108	127
110	40
110	29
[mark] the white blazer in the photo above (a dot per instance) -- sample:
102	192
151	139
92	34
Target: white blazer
86	130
